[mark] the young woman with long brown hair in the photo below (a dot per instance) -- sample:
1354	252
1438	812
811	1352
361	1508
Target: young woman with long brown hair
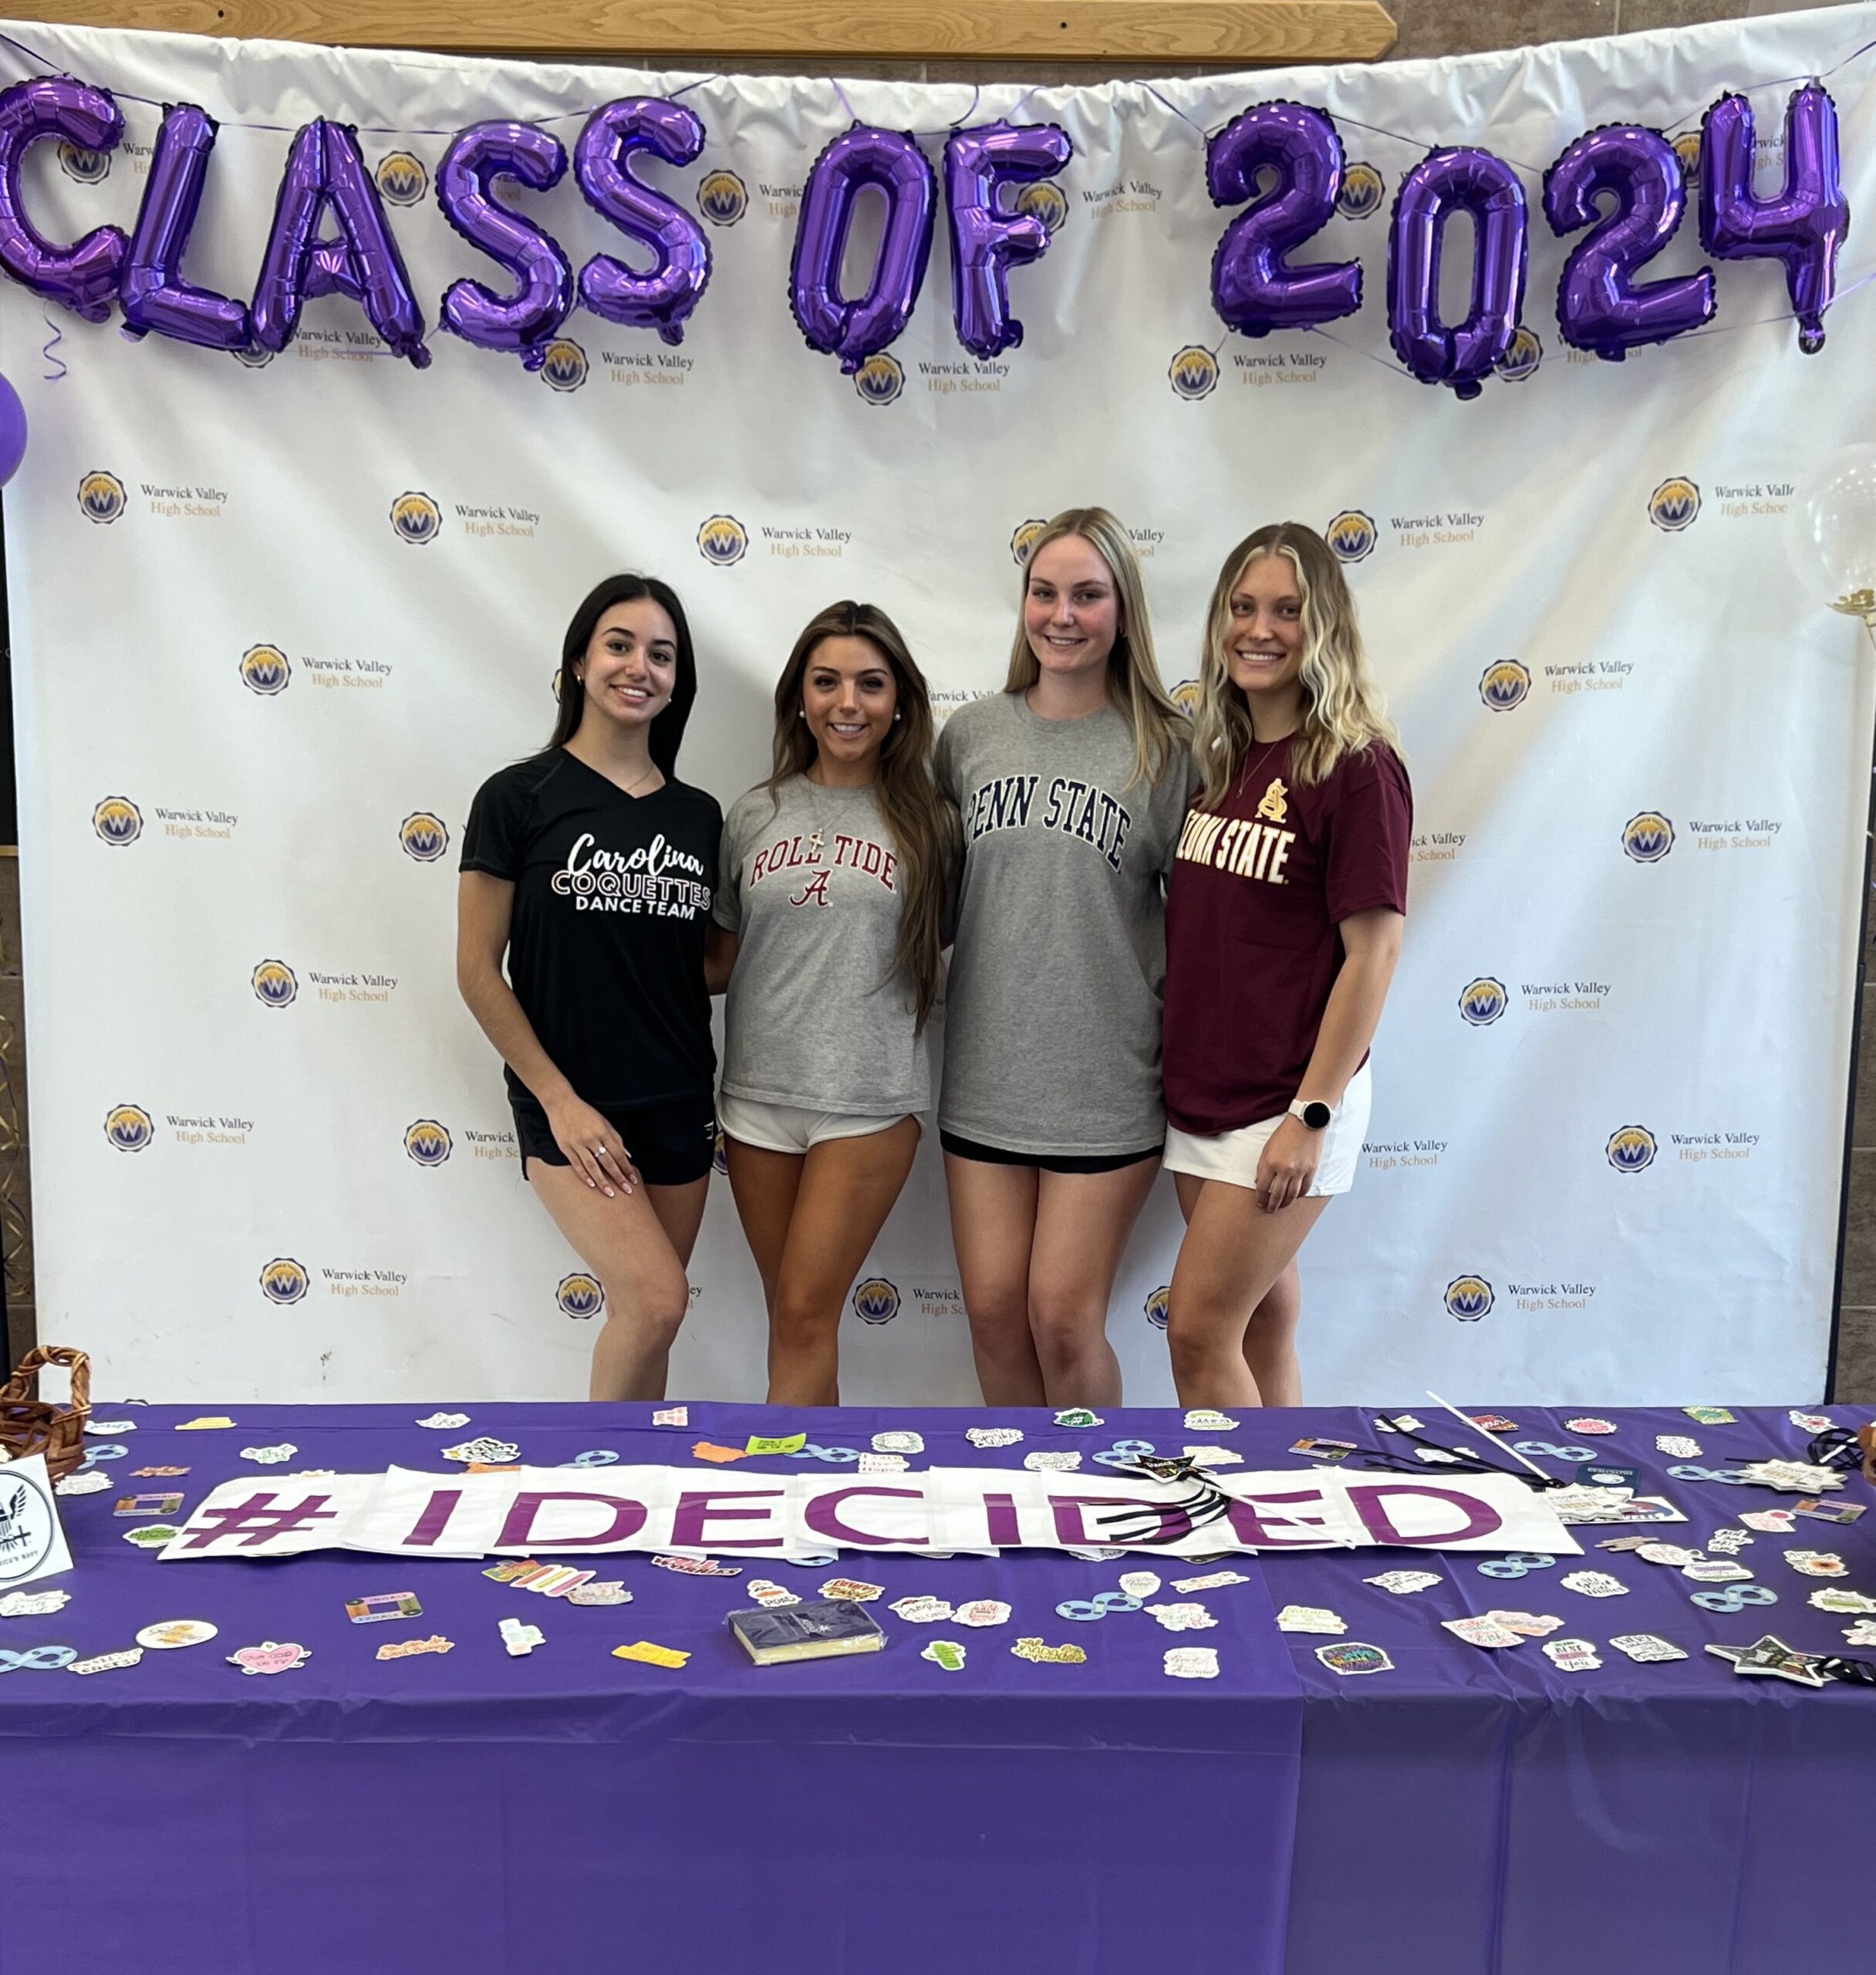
835	877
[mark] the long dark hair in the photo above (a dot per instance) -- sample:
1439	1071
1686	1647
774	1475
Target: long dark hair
667	730
923	826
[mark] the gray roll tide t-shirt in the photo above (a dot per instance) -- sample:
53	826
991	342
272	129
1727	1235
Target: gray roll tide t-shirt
1052	1012
817	1015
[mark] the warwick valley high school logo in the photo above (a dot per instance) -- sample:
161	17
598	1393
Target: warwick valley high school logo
1504	685
117	821
423	836
1482	1001
101	496
274	983
875	1301
1469	1297
1631	1149
129	1127
1648	837
283	1281
427	1143
264	669
879	379
1352	536
416	519
1158	1303
579	1295
722	198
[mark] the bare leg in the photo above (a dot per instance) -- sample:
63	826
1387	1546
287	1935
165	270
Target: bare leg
636	1244
1235	1256
993	1229
764	1184
846	1189
1082	1223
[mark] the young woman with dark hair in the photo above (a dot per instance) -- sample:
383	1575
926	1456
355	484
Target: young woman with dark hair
835	873
590	867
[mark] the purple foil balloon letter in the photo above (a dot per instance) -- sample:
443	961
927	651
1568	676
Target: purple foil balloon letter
1443	184
1252	289
854	331
663	299
1803	224
986	240
527	321
153	293
82	277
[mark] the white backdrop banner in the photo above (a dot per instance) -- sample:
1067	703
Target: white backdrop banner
275	621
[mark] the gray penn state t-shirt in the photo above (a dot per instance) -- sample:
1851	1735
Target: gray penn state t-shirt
1052	1012
817	1015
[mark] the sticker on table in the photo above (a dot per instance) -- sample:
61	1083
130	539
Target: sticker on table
1647	1647
1313	1447
1812	1422
103	1450
697	1567
1715	1570
1203	1419
1834	1598
945	1652
1790	1477
993	1436
1631	1543
47	1659
379	1606
1817	1563
1345	1656
445	1422
1139	1583
1829	1512
270	1457
493	1452
1616	1506
1862	1633
1669	1554
709	1450
897	1439
1590	1425
208	1423
608	1591
593	1458
648	1654
1728	1542
409	1648
82	1484
1771	1522
854	1590
1310	1619
507	1571
1483	1631
1049	1655
1401	1423
1608	1474
1100	1555
1218	1580
150	1504
553	1580
1192	1662
1078	1416
1494	1423
153	1535
1401	1583
108	1429
811	1560
1527	1625
155	1473
882	1464
1709	1415
1682	1446
1047	1458
270	1656
1770	1655
1517	1563
171	1635
774	1443
770	1595
1182	1617
42	1604
106	1663
924	1611
520	1637
670	1415
1572	1656
1594	1584
981	1612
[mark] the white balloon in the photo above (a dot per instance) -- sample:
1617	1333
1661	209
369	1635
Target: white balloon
1833	533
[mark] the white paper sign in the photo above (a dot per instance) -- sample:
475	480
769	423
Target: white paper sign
32	1542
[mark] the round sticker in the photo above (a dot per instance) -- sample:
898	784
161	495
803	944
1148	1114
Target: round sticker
27	1528
168	1634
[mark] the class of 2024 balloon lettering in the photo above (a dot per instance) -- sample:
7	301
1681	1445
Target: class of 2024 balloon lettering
1282	162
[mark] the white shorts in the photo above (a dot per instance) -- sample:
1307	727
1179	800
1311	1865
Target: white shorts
1232	1156
788	1127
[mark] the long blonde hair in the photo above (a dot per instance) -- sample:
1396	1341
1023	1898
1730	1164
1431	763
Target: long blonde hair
923	826
1343	709
1134	684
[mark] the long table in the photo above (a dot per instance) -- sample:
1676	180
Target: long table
1467	1812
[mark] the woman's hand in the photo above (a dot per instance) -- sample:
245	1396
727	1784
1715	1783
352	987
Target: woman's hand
593	1149
1287	1167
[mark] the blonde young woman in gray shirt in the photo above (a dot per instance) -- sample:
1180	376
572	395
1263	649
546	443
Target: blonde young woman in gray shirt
1071	785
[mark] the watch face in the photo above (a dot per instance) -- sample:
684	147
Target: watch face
1316	1115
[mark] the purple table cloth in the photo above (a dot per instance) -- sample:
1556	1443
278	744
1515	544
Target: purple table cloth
1469	1812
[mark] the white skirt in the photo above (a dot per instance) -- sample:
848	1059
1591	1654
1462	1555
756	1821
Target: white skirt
1232	1156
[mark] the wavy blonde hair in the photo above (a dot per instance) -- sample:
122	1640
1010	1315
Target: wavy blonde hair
1344	711
1134	684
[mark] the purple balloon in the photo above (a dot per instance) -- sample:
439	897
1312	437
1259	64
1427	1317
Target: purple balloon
662	300
1598	308
527	320
82	277
12	431
891	160
325	170
1803	224
1252	289
1444	183
153	293
987	241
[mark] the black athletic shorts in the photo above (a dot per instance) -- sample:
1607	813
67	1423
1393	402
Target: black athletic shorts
670	1144
994	1155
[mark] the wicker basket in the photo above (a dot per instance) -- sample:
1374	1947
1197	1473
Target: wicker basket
29	1425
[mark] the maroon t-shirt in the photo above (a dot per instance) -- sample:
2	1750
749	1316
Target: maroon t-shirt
1258	889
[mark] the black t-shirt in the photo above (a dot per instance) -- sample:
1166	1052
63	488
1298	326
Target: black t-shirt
612	904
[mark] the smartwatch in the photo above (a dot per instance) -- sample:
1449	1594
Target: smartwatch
1315	1114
